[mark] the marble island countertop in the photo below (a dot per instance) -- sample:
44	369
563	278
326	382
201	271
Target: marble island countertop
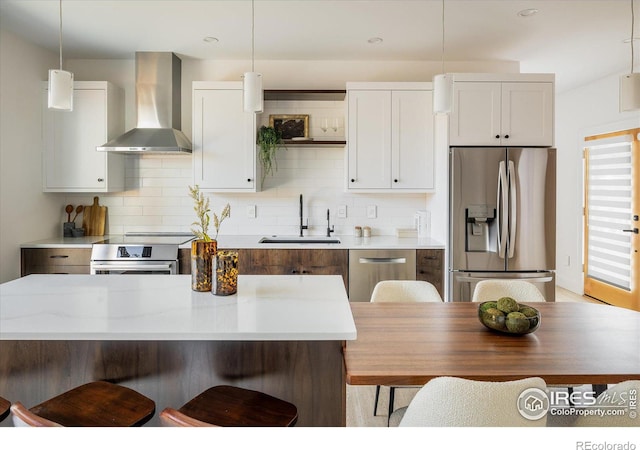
252	241
142	307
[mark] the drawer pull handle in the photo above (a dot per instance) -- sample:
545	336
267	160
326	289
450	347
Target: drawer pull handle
382	260
58	256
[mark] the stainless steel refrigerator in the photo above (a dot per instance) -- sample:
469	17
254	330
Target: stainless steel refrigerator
502	217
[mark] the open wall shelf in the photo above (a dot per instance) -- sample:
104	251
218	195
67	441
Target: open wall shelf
304	94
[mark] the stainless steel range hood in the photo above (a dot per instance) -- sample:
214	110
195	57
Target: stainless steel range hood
158	94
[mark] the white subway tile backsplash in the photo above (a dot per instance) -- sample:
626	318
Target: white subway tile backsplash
157	198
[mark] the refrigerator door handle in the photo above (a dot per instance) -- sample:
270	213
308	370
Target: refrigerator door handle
513	209
501	204
531	280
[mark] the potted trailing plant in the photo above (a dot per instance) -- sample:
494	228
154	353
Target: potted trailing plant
203	248
269	140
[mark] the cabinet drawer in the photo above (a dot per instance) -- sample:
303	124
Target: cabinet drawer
55	257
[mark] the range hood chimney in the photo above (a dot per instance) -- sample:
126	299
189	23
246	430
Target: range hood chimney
158	95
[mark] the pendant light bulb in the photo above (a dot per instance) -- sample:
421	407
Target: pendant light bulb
442	83
252	94
630	83
60	89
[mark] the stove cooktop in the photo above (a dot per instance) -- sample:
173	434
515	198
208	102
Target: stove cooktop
151	238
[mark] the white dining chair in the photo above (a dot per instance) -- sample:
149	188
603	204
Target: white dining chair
522	291
458	402
401	291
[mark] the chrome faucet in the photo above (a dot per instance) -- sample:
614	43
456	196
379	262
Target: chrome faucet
330	228
302	227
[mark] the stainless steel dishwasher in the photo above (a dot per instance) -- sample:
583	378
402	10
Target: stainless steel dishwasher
367	267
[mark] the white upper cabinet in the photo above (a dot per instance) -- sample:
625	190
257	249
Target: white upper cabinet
499	113
224	139
71	162
390	137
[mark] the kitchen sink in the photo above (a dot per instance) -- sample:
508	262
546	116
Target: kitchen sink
298	240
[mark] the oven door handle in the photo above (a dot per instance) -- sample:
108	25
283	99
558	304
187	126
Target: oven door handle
131	267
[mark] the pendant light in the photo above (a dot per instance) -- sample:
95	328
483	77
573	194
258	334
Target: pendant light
630	83
442	83
60	95
252	95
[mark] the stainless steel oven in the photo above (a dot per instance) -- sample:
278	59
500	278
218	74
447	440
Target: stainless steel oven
123	259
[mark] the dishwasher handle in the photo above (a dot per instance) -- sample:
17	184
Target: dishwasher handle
382	260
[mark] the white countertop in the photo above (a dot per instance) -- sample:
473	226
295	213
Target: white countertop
163	307
251	241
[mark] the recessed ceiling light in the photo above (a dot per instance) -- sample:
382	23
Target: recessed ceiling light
528	12
211	39
374	40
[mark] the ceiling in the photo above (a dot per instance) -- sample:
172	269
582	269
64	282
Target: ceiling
578	40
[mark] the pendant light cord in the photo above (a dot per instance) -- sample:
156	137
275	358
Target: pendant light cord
632	27
442	51
60	37
253	39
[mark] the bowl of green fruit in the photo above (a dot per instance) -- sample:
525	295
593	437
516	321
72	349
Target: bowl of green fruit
509	316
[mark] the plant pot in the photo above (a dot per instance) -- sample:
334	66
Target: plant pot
225	281
202	259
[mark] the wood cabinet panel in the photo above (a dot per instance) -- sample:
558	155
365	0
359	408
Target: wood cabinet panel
430	267
309	374
55	260
258	261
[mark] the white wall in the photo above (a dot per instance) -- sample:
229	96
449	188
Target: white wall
584	111
26	213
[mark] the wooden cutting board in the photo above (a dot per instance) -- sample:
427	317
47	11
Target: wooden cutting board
94	218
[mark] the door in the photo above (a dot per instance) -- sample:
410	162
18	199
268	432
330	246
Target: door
412	130
612	207
531	176
475	119
367	267
224	149
478	187
369	142
71	160
527	114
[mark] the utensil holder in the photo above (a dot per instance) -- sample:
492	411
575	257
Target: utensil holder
67	229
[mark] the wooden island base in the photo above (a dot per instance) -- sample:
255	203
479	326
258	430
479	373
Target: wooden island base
309	374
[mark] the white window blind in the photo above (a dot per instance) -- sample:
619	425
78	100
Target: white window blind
609	211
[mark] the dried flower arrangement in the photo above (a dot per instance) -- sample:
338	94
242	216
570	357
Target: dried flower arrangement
202	210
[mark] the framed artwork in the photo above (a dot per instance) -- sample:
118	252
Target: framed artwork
291	126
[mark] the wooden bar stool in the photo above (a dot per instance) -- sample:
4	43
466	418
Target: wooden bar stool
4	408
230	406
95	404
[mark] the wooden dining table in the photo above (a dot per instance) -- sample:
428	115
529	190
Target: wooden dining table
411	343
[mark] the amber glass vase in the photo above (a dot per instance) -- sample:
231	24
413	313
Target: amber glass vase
225	279
202	259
